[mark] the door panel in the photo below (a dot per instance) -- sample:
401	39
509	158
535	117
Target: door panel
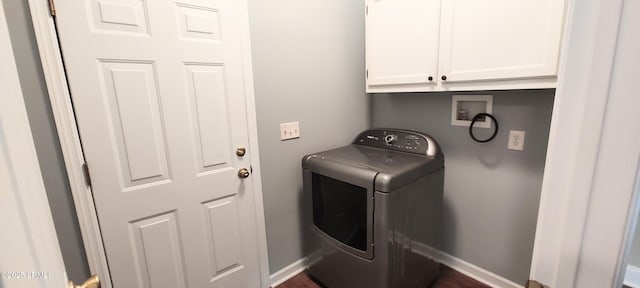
206	85
223	230
130	89
158	92
158	250
199	23
119	16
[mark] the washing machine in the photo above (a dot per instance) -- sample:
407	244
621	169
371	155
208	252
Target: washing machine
376	207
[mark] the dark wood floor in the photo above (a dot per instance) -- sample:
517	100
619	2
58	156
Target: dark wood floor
448	278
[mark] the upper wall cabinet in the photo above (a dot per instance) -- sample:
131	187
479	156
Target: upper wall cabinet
402	42
453	45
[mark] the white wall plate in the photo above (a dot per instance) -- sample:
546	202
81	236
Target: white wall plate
464	107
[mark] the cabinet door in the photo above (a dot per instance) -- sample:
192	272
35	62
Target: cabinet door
402	41
499	39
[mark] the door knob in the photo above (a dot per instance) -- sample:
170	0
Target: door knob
92	282
241	151
243	173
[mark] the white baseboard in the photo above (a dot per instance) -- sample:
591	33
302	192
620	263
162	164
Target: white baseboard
292	269
466	268
477	273
632	276
286	273
452	262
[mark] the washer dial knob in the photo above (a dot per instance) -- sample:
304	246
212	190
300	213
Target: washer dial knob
390	138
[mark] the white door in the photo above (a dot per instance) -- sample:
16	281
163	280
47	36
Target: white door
499	39
29	251
158	92
402	42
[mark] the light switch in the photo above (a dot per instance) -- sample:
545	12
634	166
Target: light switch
290	130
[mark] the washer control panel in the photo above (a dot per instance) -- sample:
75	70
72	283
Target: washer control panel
398	140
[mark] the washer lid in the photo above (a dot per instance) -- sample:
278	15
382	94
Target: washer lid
394	169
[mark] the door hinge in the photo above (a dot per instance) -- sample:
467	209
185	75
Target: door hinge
87	175
367	73
52	8
535	284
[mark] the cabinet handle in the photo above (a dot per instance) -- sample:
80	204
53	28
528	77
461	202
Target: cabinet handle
444	77
430	78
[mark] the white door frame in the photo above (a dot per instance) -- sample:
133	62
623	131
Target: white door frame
66	126
32	243
585	214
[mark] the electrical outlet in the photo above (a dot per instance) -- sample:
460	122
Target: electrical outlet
289	130
516	140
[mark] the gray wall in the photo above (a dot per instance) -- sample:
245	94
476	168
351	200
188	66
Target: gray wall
45	138
491	194
308	61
